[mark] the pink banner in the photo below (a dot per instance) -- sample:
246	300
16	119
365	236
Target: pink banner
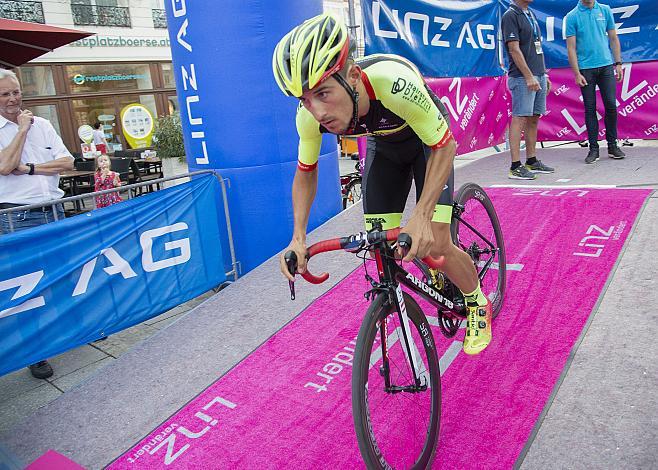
637	106
478	107
479	110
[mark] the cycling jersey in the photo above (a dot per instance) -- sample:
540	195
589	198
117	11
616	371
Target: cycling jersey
401	106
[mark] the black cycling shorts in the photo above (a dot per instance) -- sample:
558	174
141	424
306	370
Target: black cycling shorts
389	169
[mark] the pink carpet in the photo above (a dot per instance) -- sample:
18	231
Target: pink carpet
279	408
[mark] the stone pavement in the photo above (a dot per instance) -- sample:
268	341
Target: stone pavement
21	394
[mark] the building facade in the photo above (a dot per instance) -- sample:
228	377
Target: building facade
127	61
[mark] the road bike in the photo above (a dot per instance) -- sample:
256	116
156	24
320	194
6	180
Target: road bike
396	381
350	186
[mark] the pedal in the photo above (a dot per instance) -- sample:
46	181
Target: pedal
437	278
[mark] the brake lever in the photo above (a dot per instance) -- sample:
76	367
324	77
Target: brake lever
291	262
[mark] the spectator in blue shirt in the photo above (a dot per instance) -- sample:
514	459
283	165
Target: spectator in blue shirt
591	44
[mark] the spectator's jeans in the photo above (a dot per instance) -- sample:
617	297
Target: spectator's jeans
604	77
22	220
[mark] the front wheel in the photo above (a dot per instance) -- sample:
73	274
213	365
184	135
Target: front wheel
477	231
395	429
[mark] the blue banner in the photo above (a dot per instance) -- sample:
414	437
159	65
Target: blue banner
460	38
74	281
444	39
242	125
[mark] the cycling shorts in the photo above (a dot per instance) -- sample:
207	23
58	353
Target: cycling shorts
389	169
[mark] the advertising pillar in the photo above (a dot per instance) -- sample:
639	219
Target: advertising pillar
236	120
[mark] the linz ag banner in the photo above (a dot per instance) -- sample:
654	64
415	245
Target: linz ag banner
448	38
70	282
443	39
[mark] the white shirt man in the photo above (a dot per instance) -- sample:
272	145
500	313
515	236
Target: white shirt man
31	157
42	145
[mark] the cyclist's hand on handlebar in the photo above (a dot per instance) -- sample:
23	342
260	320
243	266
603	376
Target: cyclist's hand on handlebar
420	231
300	250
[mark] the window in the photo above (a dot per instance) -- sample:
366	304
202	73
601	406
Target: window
47	111
91	110
159	18
168	75
22	11
85	78
172	102
36	80
100	13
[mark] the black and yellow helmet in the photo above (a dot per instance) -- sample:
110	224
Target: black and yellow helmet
310	53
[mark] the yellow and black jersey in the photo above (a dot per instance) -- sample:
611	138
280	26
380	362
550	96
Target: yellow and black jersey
401	105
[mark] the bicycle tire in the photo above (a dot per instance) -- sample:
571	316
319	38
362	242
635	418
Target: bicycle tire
350	189
370	434
471	197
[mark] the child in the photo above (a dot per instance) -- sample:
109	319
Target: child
106	179
99	138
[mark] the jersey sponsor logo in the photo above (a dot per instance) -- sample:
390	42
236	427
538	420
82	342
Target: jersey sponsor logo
375	220
398	85
412	93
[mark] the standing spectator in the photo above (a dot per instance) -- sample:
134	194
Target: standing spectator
31	157
528	85
99	139
591	60
104	179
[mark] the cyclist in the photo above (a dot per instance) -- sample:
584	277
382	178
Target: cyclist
385	98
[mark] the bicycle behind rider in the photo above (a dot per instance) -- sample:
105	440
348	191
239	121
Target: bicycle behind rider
385	98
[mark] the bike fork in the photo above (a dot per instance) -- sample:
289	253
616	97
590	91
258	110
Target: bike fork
410	349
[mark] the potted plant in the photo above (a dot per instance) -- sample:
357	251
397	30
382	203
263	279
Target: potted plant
169	145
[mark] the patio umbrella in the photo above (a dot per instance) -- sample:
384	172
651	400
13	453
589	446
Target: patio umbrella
21	42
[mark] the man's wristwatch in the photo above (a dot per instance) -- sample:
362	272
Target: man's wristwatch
618	63
31	165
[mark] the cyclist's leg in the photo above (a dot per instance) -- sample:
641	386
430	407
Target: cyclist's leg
460	270
386	184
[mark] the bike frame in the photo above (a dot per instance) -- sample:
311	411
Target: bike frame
391	277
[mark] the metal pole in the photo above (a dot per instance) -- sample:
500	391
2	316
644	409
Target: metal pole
352	25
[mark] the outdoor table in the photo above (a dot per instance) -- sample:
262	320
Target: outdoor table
73	177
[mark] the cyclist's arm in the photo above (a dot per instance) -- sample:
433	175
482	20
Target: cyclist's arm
305	184
304	187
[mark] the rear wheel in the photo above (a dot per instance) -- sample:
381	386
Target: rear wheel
395	429
478	233
352	193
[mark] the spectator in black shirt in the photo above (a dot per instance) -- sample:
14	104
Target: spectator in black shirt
528	85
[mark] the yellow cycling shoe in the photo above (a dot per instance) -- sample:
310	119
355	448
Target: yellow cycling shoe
478	328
